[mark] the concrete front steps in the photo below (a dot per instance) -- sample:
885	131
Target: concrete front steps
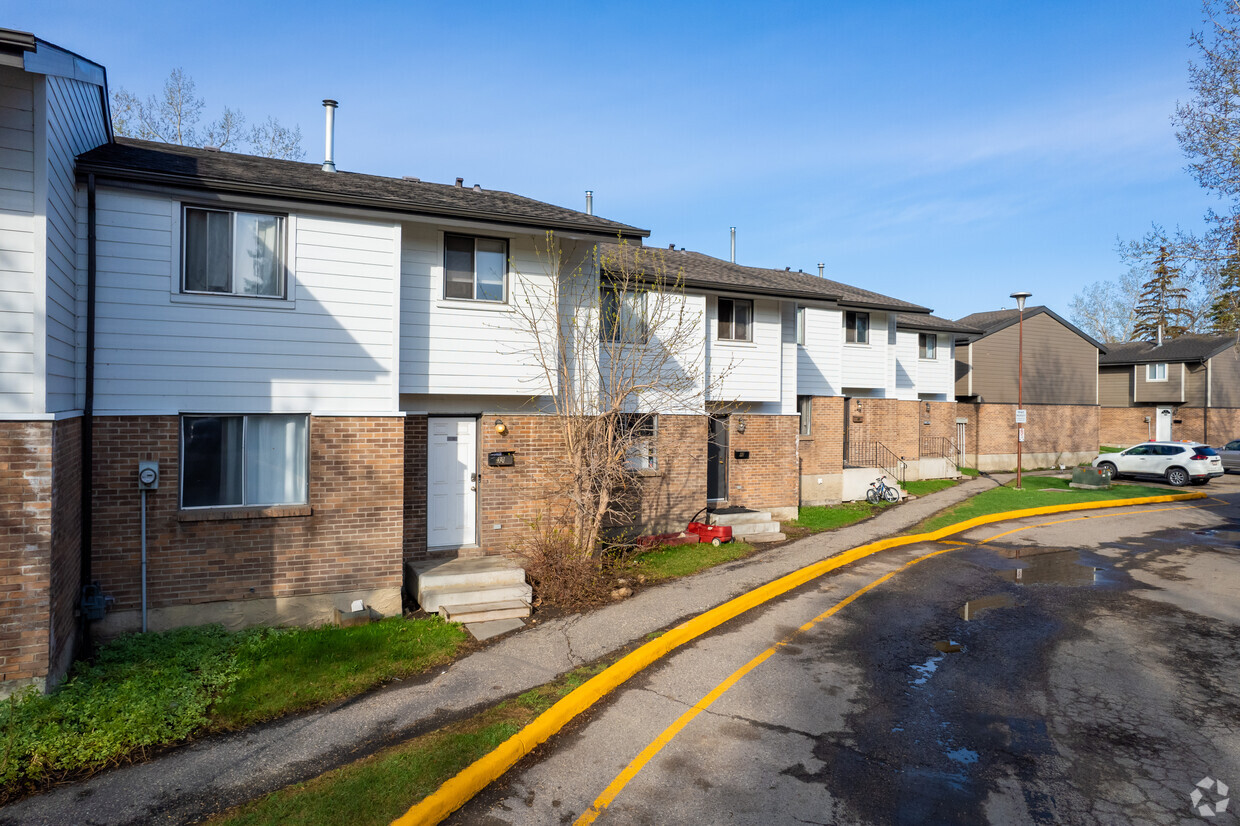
754	527
472	590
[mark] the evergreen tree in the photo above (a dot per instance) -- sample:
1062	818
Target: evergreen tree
1161	303
1225	311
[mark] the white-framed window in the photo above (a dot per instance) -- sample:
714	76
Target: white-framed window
642	434
475	268
928	345
623	316
856	327
805	407
244	460
1156	372
229	252
800	325
735	319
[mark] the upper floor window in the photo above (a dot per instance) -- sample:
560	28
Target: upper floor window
475	268
856	327
234	253
243	460
801	326
927	345
623	316
1156	372
735	319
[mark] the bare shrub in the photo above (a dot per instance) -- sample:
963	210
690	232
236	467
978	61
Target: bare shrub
561	573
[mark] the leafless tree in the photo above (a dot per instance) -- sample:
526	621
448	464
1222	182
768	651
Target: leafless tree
616	342
175	114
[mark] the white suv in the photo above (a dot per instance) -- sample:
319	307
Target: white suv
1177	462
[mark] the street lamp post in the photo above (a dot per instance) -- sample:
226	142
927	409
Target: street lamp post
1020	381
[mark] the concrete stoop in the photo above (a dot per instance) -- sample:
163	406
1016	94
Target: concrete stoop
754	527
473	590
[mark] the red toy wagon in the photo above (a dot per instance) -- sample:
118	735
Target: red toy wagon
714	534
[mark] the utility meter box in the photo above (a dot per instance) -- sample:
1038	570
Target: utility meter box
148	475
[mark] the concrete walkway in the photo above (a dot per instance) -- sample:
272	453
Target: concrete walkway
209	775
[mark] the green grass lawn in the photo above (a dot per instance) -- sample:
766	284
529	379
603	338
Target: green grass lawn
1106	449
969	471
144	691
814	519
382	787
671	561
1038	492
924	486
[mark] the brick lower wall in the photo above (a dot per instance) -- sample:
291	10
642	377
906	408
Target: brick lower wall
823	450
415	488
352	539
26	485
1124	426
66	545
768	478
677	490
1054	434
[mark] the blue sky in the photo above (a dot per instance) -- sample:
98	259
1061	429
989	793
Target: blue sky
947	153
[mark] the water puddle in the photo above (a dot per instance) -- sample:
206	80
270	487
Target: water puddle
947	646
1055	568
1218	533
927	669
965	756
971	609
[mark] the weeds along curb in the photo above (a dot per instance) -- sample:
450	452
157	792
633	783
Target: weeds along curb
475	777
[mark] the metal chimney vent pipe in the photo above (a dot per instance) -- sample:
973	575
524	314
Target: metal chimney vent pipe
329	162
733	245
589	202
820	268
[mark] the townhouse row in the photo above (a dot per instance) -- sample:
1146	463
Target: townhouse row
334	375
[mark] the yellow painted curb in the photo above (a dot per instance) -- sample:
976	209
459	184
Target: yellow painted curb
475	777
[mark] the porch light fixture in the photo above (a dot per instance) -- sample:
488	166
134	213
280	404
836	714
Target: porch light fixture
500	427
1020	377
740	425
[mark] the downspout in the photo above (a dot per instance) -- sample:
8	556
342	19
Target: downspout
88	396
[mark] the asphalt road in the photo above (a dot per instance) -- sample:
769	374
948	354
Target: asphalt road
1082	669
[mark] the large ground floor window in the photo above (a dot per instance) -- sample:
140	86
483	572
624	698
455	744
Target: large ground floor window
244	460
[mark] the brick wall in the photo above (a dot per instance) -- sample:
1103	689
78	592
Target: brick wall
1053	434
352	539
677	490
66	543
517	497
26	485
1126	426
901	424
415	488
768	478
823	450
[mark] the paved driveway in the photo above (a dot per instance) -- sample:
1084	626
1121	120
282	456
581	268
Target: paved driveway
1083	668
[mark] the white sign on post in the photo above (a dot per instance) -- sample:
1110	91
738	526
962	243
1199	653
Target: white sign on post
1020	417
1020	434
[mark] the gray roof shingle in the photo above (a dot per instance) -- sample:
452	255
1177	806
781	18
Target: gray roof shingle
700	270
905	321
1184	348
130	159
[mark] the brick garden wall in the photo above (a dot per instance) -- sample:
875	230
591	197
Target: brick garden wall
351	540
768	478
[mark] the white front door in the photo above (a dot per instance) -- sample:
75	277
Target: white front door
1162	426
451	482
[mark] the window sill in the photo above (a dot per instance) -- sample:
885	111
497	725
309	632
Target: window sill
727	342
221	514
648	472
226	300
856	345
473	305
804	438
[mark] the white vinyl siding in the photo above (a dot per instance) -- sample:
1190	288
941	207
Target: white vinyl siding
464	346
917	377
866	365
17	243
330	348
819	361
750	370
75	125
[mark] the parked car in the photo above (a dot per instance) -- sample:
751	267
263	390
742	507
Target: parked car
1230	454
1177	462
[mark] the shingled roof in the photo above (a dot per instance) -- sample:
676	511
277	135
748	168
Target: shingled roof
1184	348
705	271
183	166
993	321
905	321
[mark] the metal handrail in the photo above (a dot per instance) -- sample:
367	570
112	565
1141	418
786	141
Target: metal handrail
871	453
943	446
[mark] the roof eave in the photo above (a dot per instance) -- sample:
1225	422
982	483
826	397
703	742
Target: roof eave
109	171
